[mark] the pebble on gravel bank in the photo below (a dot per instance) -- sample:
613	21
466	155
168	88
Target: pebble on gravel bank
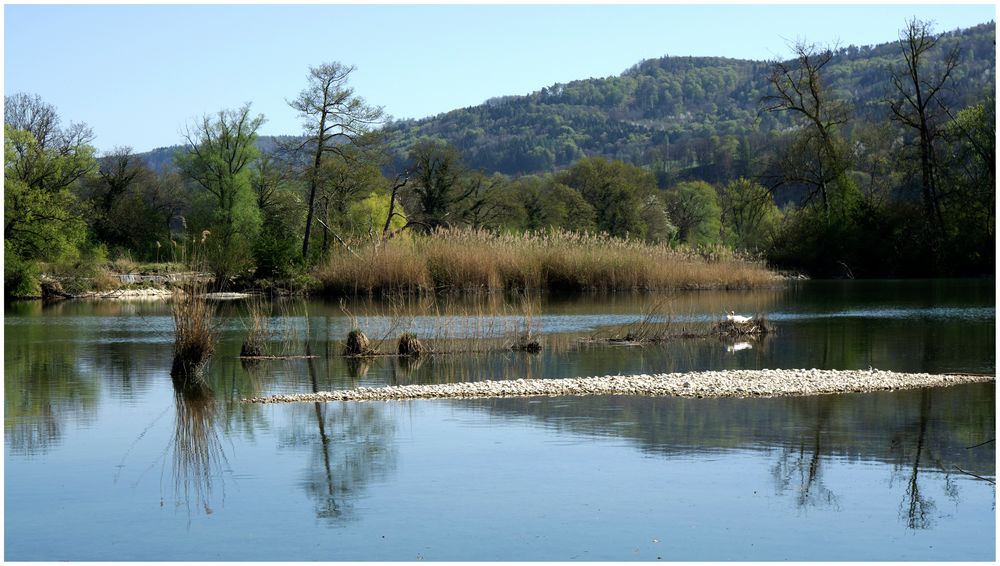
733	383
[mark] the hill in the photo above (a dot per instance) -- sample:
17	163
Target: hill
675	113
684	117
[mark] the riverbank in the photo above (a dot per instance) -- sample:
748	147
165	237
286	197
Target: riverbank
732	383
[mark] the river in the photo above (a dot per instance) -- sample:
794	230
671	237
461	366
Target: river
104	460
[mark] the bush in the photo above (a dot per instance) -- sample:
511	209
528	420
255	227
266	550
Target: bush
20	277
275	257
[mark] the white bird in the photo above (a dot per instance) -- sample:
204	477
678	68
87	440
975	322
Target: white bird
739	346
739	319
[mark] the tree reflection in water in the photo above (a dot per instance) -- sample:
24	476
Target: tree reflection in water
802	465
198	457
916	509
351	446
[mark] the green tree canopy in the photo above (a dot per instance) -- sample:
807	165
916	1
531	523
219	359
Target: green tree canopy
749	215
217	159
616	190
43	164
695	211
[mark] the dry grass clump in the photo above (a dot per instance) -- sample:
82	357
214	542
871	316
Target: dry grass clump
258	328
409	345
358	344
479	260
194	331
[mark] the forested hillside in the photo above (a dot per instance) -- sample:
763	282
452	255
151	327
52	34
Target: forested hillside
695	114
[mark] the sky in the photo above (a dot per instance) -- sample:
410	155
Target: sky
137	74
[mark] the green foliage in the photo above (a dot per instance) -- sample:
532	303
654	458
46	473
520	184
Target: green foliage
129	207
368	215
274	255
342	183
41	218
219	153
695	211
666	110
225	238
749	215
617	192
20	276
545	203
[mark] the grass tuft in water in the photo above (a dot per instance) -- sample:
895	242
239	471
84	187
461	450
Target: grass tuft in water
195	331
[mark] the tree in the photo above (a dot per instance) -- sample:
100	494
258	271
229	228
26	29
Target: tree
749	215
490	205
968	170
918	106
371	216
335	119
656	219
278	196
342	184
439	183
818	156
43	164
694	209
48	157
217	159
615	190
120	174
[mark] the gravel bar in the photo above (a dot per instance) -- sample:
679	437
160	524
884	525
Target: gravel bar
735	383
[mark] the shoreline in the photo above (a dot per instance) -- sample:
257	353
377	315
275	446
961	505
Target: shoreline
729	383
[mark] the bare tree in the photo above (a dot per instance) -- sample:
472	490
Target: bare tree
334	120
918	105
818	157
30	113
117	170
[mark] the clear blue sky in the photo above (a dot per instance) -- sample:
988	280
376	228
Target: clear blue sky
137	73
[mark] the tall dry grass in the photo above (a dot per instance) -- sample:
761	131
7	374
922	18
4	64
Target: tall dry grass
467	260
257	324
194	331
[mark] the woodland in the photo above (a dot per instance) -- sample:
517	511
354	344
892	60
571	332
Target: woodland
859	162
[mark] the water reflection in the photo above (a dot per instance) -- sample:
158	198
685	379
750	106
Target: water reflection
69	366
349	445
45	390
798	468
924	435
919	508
198	458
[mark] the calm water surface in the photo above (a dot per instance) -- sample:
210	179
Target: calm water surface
104	460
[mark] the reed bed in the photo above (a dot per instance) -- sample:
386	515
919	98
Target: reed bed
467	260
